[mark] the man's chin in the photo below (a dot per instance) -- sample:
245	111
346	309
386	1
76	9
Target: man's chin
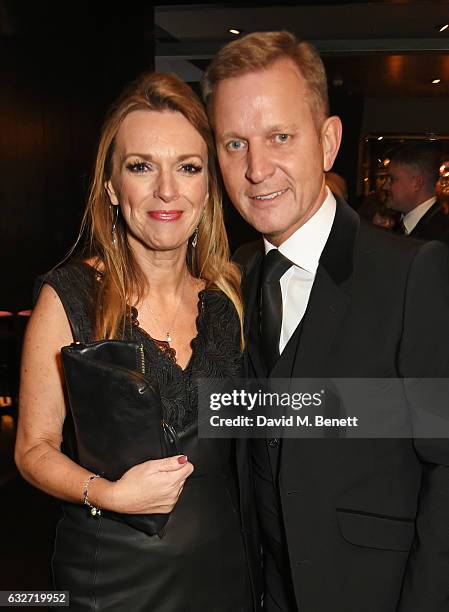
278	235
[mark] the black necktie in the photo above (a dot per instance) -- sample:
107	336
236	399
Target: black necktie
401	229
275	266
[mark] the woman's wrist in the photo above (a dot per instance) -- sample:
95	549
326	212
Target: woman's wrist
99	494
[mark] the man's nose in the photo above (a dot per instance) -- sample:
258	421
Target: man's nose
260	165
166	188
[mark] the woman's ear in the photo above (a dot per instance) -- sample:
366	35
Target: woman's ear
330	138
111	192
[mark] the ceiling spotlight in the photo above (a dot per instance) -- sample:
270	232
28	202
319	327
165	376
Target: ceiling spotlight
436	81
337	81
234	31
445	27
380	138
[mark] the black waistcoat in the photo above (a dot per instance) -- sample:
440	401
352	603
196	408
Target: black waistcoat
265	458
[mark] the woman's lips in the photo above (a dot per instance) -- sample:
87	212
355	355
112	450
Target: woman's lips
165	215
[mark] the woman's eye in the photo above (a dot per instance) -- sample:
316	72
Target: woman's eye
191	168
138	167
281	138
235	145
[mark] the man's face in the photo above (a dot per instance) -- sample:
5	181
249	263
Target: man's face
401	188
271	153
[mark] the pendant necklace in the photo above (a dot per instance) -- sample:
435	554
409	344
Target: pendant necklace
167	333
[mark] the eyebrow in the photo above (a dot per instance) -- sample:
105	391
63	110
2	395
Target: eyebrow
282	128
149	157
230	135
278	128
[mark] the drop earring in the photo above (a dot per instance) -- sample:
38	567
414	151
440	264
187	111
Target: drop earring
114	223
195	238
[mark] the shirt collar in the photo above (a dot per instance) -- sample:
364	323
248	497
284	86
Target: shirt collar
304	247
412	218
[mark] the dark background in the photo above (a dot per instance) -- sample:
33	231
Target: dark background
61	65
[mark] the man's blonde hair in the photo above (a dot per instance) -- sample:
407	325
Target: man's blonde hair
258	51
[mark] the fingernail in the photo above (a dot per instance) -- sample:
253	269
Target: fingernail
182	459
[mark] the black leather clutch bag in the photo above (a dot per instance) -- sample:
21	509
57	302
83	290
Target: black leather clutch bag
117	415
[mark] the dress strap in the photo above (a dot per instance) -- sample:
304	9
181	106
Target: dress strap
75	284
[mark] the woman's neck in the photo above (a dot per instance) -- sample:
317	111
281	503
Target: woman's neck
164	271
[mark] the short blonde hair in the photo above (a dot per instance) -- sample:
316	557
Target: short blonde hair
259	51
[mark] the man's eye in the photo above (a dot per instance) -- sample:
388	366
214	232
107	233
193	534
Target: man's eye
235	145
138	167
281	138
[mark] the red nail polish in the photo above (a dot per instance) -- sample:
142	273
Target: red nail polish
182	459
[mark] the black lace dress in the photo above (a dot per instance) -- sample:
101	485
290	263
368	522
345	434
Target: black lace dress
199	565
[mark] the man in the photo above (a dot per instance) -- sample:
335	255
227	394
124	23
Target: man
412	176
347	525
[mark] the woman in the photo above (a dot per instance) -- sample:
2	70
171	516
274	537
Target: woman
158	273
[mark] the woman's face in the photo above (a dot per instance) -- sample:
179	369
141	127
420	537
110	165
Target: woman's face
159	179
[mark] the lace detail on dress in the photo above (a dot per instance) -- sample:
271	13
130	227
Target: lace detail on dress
215	349
215	354
162	345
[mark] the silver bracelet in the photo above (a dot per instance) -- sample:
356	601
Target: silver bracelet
93	510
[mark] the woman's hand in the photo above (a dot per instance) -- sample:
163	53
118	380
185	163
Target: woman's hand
152	487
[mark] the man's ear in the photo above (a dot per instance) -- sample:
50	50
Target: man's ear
331	131
418	182
111	192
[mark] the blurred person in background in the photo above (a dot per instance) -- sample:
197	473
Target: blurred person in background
413	174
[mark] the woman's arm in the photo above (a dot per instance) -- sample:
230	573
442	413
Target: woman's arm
151	487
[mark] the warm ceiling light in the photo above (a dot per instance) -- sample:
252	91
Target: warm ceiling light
234	31
445	27
380	138
436	81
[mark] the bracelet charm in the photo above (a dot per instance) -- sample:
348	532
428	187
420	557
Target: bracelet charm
96	512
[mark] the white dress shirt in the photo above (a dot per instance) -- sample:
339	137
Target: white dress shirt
304	249
412	218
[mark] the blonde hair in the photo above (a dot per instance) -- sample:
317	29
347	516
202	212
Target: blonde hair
259	51
122	279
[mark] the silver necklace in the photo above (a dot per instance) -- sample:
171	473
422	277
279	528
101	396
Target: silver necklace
167	333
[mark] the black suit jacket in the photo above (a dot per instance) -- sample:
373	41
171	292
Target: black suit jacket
366	520
434	225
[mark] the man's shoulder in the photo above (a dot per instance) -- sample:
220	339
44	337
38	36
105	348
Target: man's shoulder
387	242
434	225
399	253
247	253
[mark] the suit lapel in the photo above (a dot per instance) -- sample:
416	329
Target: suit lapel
327	305
251	291
330	296
328	302
425	220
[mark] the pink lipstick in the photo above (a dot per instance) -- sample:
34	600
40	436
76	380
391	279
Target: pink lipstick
165	215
